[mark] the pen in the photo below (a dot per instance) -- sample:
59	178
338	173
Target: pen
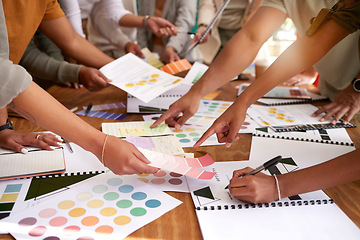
88	109
68	145
270	163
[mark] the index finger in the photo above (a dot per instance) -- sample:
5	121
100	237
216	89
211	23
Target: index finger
205	136
162	118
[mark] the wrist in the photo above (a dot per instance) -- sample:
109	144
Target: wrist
145	20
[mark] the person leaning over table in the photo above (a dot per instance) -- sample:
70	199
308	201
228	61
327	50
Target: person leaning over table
328	31
19	93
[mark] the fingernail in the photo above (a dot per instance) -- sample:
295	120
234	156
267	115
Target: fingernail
322	119
345	122
177	126
228	145
24	150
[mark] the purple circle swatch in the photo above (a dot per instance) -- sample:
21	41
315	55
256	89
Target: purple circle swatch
27	221
175	181
46	213
173	174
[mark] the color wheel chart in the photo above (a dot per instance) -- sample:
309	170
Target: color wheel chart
105	206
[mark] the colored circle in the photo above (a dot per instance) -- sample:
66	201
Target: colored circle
140	84
104	229
144	180
143	175
84	196
99	189
155	118
90	221
143	81
109	211
194	134
129	85
139	196
175	181
27	221
37	231
96	203
85	238
58	221
190	129
173	174
177	80
180	135
225	104
153	80
220	111
138	212
71	230
223	108
51	238
111	196
212	106
46	213
196	116
152	203
177	130
126	188
155	75
114	181
215	103
77	212
211	110
158	181
160	173
184	140
124	203
122	220
67	204
289	120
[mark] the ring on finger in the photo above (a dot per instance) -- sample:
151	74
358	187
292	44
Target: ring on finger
38	137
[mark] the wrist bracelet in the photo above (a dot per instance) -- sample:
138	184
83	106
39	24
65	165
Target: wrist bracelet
103	150
145	19
277	186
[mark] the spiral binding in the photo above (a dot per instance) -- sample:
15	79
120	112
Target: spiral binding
267	205
313	127
66	174
297	101
304	139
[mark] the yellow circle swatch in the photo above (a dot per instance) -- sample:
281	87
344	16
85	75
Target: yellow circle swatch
109	211
77	212
95	203
122	220
67	204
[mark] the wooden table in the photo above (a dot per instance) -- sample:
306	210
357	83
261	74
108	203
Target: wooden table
181	222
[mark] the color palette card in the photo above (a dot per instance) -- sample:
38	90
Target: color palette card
190	167
152	58
176	67
102	114
138	78
107	106
213	108
106	206
284	115
195	73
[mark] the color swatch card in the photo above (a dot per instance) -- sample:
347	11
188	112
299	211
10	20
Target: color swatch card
107	106
152	58
221	216
195	73
106	206
190	167
102	114
212	108
159	139
176	67
138	78
284	115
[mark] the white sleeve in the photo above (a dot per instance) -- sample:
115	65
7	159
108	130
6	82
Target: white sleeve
115	10
73	13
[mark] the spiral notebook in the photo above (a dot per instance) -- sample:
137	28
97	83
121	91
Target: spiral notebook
286	96
308	216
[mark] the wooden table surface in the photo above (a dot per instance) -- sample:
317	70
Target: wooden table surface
181	222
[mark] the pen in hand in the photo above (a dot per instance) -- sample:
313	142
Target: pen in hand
88	109
68	145
268	164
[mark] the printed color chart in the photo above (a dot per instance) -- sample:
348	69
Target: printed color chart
106	206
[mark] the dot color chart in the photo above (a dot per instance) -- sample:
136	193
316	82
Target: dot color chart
106	206
165	181
212	108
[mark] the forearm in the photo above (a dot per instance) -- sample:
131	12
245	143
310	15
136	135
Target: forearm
39	107
3	116
301	55
340	170
131	20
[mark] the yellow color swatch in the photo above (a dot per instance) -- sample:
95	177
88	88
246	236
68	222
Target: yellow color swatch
9	197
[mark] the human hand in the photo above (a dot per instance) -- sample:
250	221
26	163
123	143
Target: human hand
306	77
134	48
226	126
161	27
259	188
199	32
122	157
170	55
17	141
346	103
72	85
93	79
186	105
